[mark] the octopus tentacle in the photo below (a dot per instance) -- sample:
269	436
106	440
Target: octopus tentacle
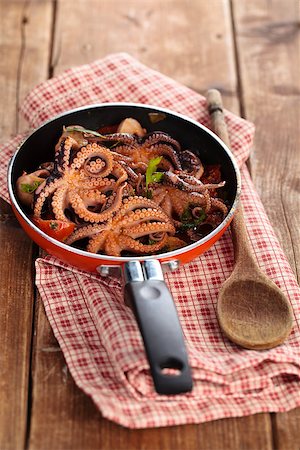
145	229
166	151
118	139
84	232
81	210
77	136
60	202
92	197
219	205
98	242
132	175
188	183
119	157
81	181
195	182
129	244
156	137
119	173
100	167
140	166
115	245
41	197
62	157
139	205
137	217
140	151
191	163
127	149
171	199
124	138
104	185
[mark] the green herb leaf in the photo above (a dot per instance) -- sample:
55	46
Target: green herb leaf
188	221
30	188
200	218
53	225
186	215
157	177
151	169
84	130
187	225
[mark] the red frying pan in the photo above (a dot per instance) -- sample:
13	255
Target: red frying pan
144	287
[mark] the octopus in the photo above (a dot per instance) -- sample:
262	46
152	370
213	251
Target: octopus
136	151
175	202
87	181
140	226
100	184
191	164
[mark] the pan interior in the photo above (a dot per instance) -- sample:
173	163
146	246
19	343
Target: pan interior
39	147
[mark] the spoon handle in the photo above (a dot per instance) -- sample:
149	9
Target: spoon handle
244	257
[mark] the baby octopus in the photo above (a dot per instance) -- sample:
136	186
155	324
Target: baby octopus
140	226
81	180
125	192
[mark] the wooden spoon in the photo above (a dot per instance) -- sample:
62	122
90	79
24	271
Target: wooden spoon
252	311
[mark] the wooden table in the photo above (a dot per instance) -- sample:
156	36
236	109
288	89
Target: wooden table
251	52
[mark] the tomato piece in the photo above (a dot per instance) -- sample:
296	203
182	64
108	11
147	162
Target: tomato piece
58	229
212	174
108	129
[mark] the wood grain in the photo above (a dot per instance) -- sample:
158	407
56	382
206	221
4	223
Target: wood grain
268	42
20	26
286	430
181	38
202	57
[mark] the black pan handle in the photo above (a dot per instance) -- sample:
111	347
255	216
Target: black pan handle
154	309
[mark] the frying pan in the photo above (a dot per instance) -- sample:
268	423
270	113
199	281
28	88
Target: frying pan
144	287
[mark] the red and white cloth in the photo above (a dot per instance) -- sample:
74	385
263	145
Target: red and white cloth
98	333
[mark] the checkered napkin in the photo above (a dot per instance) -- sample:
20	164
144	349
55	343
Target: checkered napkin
98	333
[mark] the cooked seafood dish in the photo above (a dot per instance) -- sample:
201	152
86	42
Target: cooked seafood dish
122	191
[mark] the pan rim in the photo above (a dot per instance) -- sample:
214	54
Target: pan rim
122	259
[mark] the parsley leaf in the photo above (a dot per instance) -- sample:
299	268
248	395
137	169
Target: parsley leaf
151	175
30	188
188	221
157	177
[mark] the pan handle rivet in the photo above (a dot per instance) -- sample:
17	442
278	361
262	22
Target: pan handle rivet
170	265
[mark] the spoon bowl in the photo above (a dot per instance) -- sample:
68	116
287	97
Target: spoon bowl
253	312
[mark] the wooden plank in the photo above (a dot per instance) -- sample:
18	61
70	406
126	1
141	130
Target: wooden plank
192	46
25	46
268	42
202	57
23	62
16	292
286	430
